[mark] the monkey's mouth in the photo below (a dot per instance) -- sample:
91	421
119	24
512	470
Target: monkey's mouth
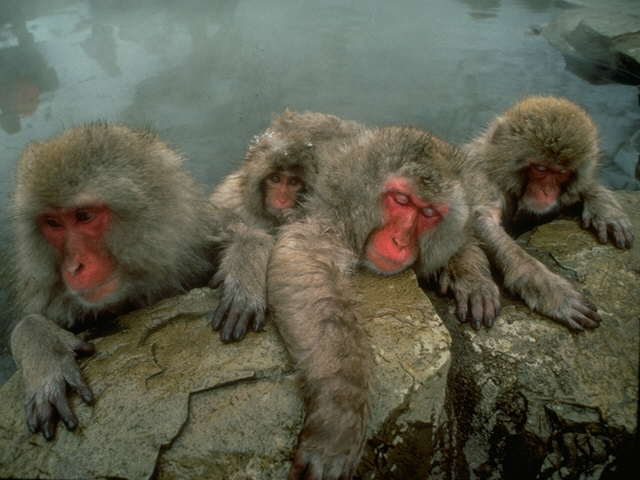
100	292
384	265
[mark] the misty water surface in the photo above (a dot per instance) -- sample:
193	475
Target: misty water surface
208	74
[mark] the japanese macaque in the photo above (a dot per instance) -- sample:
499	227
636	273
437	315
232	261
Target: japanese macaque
264	193
540	156
386	199
106	219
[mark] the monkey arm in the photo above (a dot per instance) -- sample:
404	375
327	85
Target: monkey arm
46	354
311	297
468	277
541	289
602	212
242	278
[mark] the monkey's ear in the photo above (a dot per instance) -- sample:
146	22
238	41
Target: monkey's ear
498	130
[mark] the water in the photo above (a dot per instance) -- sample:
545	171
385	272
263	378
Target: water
208	74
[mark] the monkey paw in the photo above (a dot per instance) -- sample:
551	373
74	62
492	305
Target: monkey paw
615	226
312	463
477	299
236	309
555	297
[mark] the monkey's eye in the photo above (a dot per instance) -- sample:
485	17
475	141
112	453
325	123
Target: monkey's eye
274	178
564	170
540	168
53	223
295	181
401	199
428	212
84	216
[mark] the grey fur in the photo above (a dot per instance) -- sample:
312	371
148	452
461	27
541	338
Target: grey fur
559	133
290	143
310	288
160	237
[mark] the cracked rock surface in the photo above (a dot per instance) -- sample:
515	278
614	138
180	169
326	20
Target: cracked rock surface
172	401
530	400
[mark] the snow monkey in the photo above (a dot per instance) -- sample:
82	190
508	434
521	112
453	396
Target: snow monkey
106	219
387	199
265	192
540	156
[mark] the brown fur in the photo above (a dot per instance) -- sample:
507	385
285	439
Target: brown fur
160	237
310	279
290	143
560	134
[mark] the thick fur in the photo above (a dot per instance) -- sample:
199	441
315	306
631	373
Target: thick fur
290	143
310	279
559	133
160	237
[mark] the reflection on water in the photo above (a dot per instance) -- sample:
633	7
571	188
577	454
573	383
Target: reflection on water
208	75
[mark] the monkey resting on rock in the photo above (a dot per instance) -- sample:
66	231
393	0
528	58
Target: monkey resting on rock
106	219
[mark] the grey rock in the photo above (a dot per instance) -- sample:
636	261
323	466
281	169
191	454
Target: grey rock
529	399
605	38
174	402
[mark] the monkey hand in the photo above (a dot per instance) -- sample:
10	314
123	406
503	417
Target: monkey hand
609	222
477	297
555	297
46	354
237	307
329	447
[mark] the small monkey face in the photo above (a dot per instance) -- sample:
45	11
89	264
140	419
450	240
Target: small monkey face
77	234
394	246
282	188
544	186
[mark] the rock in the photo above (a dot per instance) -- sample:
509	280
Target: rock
174	402
601	43
529	399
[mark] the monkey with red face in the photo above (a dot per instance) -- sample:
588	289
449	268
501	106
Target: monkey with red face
540	157
106	219
264	193
387	199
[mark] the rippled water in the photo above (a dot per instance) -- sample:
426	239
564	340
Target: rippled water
208	74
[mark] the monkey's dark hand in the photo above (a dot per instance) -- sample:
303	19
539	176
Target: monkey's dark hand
46	353
555	297
236	309
328	450
477	297
610	224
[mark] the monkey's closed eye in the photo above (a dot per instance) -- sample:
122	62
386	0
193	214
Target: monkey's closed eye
52	223
428	212
540	168
401	199
85	216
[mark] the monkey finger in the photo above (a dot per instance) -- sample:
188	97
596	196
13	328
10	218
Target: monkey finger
477	310
221	311
462	306
47	419
490	312
444	283
584	321
32	418
228	328
586	221
74	378
240	329
601	230
258	321
62	405
85	348
217	279
590	312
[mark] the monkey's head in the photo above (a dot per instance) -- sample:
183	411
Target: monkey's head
104	210
402	196
277	170
541	151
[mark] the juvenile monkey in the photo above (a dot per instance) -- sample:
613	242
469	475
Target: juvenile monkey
386	199
264	193
540	157
106	219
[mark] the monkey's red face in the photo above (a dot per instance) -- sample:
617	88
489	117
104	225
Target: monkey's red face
544	185
394	246
77	234
281	191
